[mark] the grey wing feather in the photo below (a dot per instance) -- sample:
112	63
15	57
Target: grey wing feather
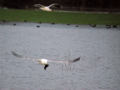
65	61
38	5
75	60
17	55
52	5
23	57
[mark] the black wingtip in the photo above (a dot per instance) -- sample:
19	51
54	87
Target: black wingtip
77	59
46	66
15	54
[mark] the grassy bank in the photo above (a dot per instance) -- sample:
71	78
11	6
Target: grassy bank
58	17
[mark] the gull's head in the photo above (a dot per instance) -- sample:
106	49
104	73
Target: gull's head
43	61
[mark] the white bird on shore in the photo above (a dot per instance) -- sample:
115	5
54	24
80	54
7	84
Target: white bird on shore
44	8
45	62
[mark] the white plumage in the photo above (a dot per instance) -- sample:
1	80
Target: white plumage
43	61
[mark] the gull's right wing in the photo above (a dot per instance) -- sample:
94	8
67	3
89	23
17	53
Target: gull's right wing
17	55
51	5
23	57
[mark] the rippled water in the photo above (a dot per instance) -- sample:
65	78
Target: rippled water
99	49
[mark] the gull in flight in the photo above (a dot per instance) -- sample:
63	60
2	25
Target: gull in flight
44	8
46	62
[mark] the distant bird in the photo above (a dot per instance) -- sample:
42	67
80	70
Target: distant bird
45	62
92	25
108	26
45	8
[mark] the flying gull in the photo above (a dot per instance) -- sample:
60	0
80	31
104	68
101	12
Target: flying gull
45	8
46	62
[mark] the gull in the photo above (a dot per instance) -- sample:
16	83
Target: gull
45	62
44	8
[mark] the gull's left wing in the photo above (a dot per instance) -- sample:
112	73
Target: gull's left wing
38	5
65	61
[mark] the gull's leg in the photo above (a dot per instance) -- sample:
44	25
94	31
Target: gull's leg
45	67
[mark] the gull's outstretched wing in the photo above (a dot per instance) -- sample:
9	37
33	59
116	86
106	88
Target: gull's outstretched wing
23	57
52	61
17	55
52	5
75	60
38	5
65	61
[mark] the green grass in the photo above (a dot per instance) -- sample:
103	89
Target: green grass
58	17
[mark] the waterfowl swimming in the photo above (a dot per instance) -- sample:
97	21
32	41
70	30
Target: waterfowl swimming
44	8
46	62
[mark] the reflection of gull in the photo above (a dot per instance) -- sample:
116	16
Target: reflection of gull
46	61
44	8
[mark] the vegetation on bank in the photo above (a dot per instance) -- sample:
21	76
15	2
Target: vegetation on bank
58	17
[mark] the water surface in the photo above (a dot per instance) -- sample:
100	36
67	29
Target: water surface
99	49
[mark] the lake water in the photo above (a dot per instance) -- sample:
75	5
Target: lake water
98	47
